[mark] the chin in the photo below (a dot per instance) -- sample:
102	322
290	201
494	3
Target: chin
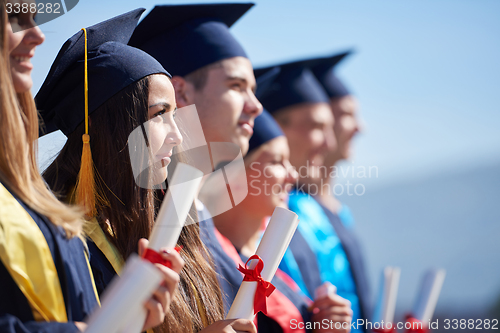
243	144
22	85
160	176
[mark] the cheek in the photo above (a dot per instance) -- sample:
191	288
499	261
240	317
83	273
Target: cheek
316	138
13	39
157	135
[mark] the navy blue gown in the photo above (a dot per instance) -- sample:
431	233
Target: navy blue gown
75	280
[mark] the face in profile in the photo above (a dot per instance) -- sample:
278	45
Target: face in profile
23	37
309	130
346	126
162	132
227	105
270	177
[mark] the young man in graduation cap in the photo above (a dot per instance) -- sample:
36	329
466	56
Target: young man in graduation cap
299	103
347	125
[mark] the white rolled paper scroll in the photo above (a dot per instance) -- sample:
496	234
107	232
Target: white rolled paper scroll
136	284
278	234
171	218
428	296
386	305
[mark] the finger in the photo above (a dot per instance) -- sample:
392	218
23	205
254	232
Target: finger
244	325
337	310
170	278
162	295
156	315
142	246
332	317
175	259
331	300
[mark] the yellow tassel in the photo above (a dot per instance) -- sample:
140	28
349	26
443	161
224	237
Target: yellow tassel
85	184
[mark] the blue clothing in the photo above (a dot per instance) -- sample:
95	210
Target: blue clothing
78	291
321	235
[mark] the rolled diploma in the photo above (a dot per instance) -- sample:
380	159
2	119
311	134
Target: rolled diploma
388	295
428	296
136	284
271	249
171	218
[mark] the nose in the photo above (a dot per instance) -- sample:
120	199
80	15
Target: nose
291	173
174	137
34	36
330	140
252	105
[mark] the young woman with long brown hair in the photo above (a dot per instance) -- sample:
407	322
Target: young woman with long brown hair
44	272
128	90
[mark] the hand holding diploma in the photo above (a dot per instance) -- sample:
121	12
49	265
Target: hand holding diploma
425	304
330	306
271	249
158	305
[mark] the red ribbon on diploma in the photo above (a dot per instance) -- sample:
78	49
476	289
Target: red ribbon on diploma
155	258
264	288
416	325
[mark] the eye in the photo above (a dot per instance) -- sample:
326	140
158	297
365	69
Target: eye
159	113
237	86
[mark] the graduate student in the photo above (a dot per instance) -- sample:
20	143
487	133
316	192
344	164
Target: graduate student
301	106
46	284
128	89
270	177
212	71
345	112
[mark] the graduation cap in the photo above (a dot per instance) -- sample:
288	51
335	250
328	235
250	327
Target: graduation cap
324	70
185	38
91	67
265	129
112	66
294	84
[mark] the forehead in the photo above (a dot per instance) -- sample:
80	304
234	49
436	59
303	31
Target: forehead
318	113
344	105
160	89
238	67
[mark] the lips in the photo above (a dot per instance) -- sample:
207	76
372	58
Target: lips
247	127
22	60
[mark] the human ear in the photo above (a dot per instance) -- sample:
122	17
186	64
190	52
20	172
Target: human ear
183	91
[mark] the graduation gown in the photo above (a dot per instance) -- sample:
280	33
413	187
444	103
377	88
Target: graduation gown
45	280
323	236
286	303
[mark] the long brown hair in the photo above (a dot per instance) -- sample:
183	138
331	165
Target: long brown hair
129	209
18	137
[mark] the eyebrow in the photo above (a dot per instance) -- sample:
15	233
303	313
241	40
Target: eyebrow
239	78
164	104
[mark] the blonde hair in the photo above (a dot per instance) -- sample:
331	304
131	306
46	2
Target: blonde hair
18	138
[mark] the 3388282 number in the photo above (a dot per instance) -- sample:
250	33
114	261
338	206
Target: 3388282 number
477	324
43	8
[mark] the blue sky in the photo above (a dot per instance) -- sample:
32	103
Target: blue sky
425	72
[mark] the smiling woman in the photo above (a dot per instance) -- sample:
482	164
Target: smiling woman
24	37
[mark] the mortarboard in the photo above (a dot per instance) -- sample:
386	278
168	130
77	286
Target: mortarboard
112	66
294	84
323	69
185	38
265	129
